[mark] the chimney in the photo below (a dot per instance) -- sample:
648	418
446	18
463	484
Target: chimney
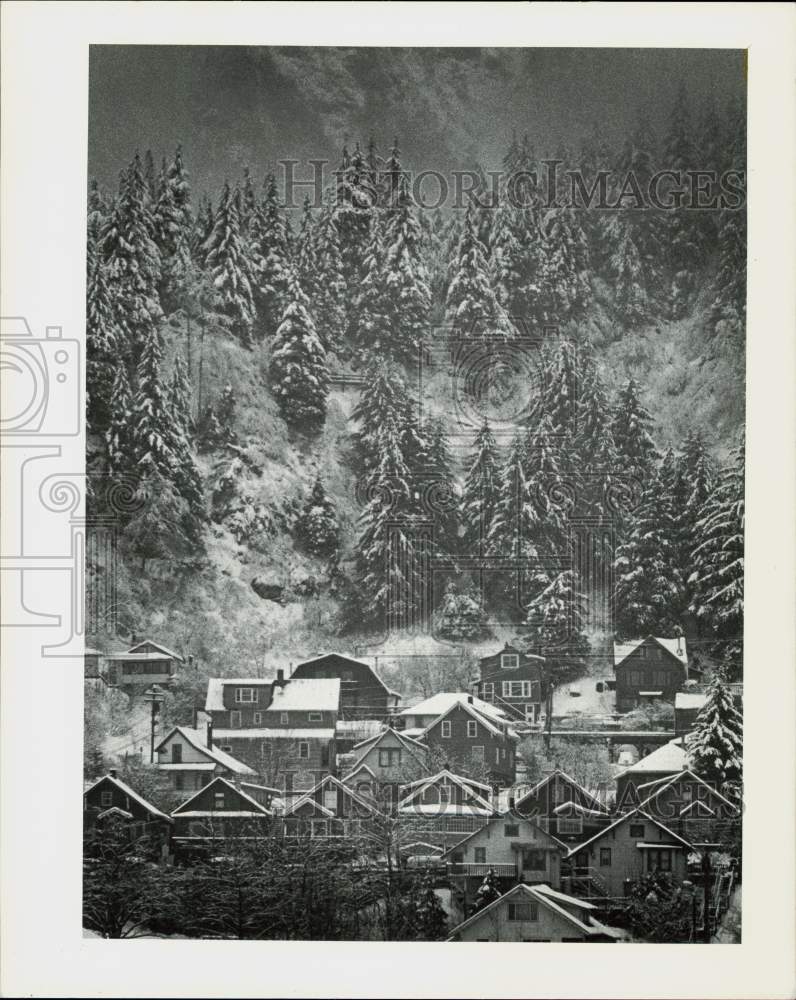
469	699
280	678
209	742
195	722
112	772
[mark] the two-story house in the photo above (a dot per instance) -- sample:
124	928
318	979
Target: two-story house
363	694
284	729
444	808
191	761
694	809
513	681
416	718
565	808
143	664
110	798
223	810
634	783
474	743
331	809
384	763
648	670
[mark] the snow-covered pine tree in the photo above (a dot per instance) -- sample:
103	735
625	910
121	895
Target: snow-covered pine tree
649	587
384	393
507	532
563	281
555	622
317	527
715	745
179	182
172	234
328	302
152	417
104	351
481	491
515	259
180	394
96	212
631	427
305	255
133	259
550	492
271	259
441	486
625	271
298	370
371	329
354	210
393	175
406	289
248	201
118	436
717	580
460	615
595	449
187	480
150	177
487	892
227	261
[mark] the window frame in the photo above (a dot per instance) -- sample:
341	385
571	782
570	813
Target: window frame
446	729
106	798
478	752
635	826
506	657
303	745
472	729
315	717
525	912
511	826
479	855
236	719
605	852
257	719
253	700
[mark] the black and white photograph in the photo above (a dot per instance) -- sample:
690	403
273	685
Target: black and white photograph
397	428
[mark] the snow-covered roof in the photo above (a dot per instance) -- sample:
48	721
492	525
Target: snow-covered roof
351	659
685	775
443	809
215	689
626	817
358	726
557	772
274	734
374	740
494	820
677	647
471	788
133	794
440	703
307	694
259	809
196	737
445	773
671	756
157	645
689	699
328	779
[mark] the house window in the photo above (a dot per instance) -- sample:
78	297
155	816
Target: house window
516	689
444	793
245	696
179	781
472	730
480	855
235	720
176	753
316	717
319	828
283	718
637	830
509	661
106	799
605	857
218	800
446	730
642	652
523	911
258	718
511	830
304	751
659	861
478	753
497	755
228	749
488	690
571	825
389	757
534	861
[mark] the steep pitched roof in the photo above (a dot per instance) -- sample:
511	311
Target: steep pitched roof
157	645
195	738
407	741
351	659
133	794
356	770
329	779
476	714
676	647
502	819
463	783
626	818
557	772
445	700
672	756
256	806
687	775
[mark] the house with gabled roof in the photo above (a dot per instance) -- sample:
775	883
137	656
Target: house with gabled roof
536	913
445	807
562	806
222	810
191	761
363	694
664	762
416	718
693	808
111	798
143	664
649	669
470	739
384	762
513	680
632	846
330	809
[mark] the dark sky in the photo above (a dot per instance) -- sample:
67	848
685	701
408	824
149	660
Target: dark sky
449	108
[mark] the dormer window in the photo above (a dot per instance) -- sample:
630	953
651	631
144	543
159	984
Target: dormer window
509	661
245	696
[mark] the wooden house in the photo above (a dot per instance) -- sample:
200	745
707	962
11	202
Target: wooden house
224	810
632	846
331	809
513	681
363	694
536	913
416	718
470	740
191	761
110	798
633	783
142	665
445	807
385	762
565	808
649	670
693	808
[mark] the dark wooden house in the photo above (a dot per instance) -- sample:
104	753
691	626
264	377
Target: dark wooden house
473	742
564	808
363	694
649	670
143	664
331	809
110	798
513	681
223	810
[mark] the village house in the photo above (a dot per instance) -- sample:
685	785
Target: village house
514	682
693	808
632	846
143	664
191	761
224	810
415	719
471	741
363	694
385	762
649	670
445	807
536	913
111	798
563	807
330	809
284	730
665	762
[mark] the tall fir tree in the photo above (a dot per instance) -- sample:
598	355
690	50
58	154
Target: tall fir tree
631	428
104	346
271	259
227	261
329	299
305	256
173	234
298	368
317	526
152	424
715	745
442	487
556	622
186	477
118	436
481	491
354	211
372	329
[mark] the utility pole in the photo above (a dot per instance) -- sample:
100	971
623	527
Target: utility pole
152	695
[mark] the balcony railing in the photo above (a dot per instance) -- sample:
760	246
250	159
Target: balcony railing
480	870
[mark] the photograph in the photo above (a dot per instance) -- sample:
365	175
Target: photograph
415	398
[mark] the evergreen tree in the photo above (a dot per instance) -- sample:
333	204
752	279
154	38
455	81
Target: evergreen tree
384	393
133	260
271	258
461	615
157	528
103	346
180	395
353	217
556	621
506	532
487	892
631	429
97	210
626	272
305	256
715	746
444	489
179	182
150	177
430	919
227	261
248	202
330	289
172	233
595	447
564	285
152	425
371	330
118	437
186	477
317	527
298	369
481	491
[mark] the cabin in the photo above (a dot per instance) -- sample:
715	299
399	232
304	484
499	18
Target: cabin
565	808
444	808
513	848
223	810
418	717
110	798
472	741
383	763
632	846
693	808
191	761
143	664
513	681
284	730
649	670
536	913
331	809
363	694
633	783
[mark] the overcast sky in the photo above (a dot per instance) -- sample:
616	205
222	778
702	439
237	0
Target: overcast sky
449	108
